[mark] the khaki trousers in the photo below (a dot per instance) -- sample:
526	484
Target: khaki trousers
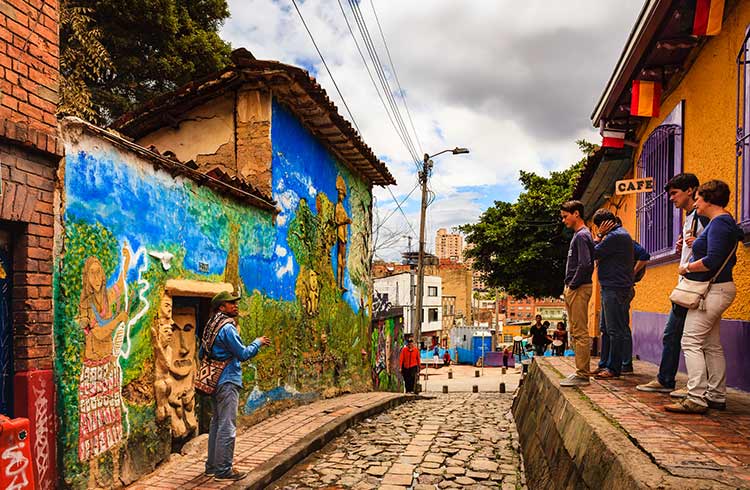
577	304
701	344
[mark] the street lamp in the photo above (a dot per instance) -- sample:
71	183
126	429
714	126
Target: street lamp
424	174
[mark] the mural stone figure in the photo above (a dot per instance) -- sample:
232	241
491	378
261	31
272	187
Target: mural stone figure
342	231
102	316
309	291
175	369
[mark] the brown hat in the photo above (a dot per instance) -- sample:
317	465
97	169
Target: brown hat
223	297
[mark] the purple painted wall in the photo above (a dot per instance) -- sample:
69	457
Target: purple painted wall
735	338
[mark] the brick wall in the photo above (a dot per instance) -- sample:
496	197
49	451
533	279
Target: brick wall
29	73
28	185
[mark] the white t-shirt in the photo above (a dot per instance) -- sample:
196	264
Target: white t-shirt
687	228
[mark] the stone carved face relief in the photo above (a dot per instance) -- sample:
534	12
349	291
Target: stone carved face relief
165	322
183	350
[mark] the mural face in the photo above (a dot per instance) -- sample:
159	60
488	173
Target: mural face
126	355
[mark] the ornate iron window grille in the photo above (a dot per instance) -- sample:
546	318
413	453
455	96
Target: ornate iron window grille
742	143
658	224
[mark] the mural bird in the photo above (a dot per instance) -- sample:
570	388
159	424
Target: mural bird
165	258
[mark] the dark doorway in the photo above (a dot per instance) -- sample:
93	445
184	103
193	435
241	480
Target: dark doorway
198	309
6	323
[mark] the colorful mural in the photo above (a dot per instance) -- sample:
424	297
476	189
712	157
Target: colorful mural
387	341
126	357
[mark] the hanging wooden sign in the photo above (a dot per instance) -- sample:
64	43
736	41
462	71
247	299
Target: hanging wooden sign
634	186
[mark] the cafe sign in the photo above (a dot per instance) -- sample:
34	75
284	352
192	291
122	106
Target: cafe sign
634	186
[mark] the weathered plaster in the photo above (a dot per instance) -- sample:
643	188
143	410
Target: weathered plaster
254	138
204	134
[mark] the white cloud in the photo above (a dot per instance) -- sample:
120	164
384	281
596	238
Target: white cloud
513	81
281	271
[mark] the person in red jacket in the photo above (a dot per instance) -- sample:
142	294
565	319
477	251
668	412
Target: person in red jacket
409	361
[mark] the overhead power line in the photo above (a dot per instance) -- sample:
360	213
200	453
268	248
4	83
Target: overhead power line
343	100
395	75
383	79
398	205
396	209
372	79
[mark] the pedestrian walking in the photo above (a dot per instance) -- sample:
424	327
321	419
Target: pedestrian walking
221	341
681	189
538	336
614	254
409	360
578	270
506	355
714	257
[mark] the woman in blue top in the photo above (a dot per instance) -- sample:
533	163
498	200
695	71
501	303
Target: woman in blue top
701	343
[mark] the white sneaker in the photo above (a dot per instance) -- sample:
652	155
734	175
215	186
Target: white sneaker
575	380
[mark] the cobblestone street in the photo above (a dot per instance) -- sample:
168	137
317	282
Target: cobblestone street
449	441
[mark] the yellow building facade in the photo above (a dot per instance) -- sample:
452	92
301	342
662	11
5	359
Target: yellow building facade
702	106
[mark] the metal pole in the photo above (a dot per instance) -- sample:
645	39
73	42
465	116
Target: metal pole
424	174
483	353
497	319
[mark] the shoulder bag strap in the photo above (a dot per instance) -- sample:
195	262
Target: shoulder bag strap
726	261
694	224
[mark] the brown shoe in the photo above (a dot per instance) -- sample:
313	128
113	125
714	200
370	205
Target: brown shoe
686	406
606	374
596	371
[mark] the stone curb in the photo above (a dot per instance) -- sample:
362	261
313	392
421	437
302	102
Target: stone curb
277	466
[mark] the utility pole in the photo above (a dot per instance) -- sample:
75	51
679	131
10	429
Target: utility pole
424	175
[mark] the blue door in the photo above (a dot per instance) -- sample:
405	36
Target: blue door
6	328
476	344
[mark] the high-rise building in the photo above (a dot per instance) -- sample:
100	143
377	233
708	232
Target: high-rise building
449	245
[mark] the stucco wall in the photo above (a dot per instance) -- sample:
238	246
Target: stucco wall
710	92
231	132
121	219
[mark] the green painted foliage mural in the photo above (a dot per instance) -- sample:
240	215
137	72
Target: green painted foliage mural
131	231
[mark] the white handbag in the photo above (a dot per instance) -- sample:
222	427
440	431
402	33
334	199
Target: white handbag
692	294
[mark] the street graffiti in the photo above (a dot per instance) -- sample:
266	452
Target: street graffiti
16	467
380	303
41	424
387	340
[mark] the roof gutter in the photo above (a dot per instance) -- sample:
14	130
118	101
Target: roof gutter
651	16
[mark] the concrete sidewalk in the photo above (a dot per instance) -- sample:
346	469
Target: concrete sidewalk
270	448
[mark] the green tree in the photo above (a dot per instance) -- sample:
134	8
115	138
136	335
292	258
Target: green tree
523	246
154	47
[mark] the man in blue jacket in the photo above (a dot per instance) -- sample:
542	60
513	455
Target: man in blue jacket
222	341
614	253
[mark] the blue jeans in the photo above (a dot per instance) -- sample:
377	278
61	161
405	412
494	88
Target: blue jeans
614	328
670	353
223	430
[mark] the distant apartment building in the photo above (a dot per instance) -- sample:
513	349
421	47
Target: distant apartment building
395	291
526	309
449	245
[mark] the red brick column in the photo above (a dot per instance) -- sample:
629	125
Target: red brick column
30	150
